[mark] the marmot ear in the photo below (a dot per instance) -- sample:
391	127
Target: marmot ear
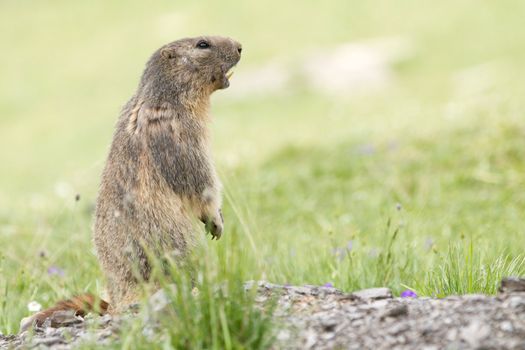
168	52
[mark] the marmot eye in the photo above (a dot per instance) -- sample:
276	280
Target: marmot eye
203	44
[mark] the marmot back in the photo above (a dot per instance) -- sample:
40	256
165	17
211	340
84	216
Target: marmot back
159	177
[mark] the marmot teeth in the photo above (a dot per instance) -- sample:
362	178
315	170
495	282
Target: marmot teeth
229	74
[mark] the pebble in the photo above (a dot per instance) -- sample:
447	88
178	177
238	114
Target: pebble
373	293
512	285
49	341
475	333
396	311
507	326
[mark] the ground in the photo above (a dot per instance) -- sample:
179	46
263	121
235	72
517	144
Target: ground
369	144
311	317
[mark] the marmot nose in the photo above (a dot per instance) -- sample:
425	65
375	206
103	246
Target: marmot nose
239	49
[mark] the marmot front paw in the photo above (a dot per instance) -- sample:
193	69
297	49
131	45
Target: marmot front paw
214	225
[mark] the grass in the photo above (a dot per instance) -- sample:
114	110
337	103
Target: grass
418	185
206	312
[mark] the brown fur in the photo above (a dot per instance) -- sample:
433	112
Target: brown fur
159	177
80	304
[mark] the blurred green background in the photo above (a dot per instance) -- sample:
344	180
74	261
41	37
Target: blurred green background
347	115
68	67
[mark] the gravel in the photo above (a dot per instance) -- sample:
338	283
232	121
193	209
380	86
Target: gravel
313	317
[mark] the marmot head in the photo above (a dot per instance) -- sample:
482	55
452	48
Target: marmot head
198	65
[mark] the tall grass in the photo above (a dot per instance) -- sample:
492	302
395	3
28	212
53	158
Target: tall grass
199	309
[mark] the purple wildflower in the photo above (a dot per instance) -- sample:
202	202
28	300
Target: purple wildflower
328	285
408	294
55	271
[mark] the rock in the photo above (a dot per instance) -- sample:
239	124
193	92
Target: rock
329	324
398	328
474	297
430	347
507	326
475	333
396	311
512	285
49	341
26	323
283	335
62	319
373	293
98	321
311	339
452	335
516	302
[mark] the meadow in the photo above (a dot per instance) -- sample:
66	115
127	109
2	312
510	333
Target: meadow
418	184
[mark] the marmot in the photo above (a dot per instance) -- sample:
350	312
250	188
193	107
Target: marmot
159	177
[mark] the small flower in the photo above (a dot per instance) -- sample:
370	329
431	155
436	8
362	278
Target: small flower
34	306
55	271
408	294
328	285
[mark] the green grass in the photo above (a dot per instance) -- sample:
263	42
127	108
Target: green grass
208	311
419	185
